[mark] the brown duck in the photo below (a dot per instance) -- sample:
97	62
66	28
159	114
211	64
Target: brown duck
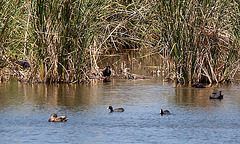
55	118
164	112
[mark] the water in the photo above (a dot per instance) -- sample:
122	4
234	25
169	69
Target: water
25	109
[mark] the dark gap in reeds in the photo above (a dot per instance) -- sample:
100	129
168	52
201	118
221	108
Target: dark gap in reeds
65	41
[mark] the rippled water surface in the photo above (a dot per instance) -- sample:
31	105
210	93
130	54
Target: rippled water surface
25	110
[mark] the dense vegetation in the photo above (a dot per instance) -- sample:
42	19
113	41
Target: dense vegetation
198	40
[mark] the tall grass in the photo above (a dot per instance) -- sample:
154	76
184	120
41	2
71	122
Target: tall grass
64	40
200	37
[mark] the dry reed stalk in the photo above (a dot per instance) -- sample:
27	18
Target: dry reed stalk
64	40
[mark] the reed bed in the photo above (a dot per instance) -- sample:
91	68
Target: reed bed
64	40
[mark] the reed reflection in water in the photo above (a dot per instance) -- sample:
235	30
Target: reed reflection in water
25	109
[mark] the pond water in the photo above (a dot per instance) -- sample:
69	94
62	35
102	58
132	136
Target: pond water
26	108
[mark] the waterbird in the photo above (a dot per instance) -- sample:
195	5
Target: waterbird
198	85
217	95
107	71
116	109
55	118
164	112
24	63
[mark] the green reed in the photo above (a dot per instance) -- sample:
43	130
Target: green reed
64	40
197	36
